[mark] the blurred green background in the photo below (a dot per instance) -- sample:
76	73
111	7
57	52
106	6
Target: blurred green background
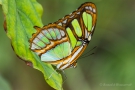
112	67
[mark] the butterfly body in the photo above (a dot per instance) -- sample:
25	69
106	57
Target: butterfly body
61	43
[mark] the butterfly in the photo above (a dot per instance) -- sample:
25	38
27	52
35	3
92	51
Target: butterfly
61	43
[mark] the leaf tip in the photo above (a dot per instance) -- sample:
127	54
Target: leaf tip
28	63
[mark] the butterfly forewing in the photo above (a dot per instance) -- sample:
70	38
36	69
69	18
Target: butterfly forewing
84	17
47	38
79	26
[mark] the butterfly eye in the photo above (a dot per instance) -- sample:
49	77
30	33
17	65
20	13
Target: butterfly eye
86	41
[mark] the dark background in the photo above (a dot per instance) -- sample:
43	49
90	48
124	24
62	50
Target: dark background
112	67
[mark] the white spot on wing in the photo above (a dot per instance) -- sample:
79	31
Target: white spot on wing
65	21
78	12
92	28
87	7
94	10
88	34
60	24
62	33
90	8
89	38
72	16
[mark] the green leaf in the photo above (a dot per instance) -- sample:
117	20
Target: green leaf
4	85
21	16
0	2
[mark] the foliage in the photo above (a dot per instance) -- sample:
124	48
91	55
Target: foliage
20	18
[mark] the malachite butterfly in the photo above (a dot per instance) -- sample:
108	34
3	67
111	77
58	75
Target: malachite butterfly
61	43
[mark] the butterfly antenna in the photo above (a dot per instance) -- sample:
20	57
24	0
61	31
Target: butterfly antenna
88	53
64	77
